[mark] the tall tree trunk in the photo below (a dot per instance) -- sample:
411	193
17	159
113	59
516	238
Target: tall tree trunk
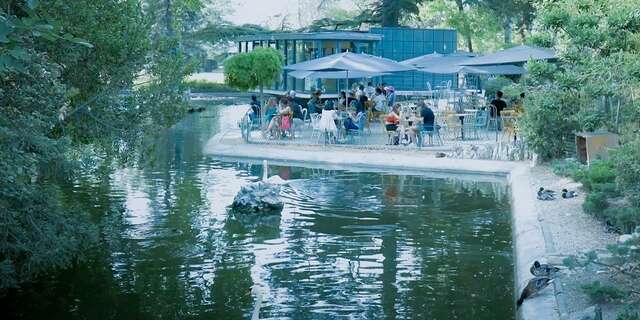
507	30
466	35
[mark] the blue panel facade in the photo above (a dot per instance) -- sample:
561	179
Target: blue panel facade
405	43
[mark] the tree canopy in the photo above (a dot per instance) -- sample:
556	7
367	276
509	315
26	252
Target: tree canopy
254	69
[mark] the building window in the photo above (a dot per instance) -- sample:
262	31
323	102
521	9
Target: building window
328	48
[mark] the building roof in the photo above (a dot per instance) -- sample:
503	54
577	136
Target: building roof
325	35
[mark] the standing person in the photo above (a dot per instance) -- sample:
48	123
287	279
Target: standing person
379	101
500	105
327	124
391	96
370	90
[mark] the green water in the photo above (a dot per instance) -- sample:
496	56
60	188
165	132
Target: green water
348	245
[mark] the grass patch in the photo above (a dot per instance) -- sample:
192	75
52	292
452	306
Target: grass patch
602	293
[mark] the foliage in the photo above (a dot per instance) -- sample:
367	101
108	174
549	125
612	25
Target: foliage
595	203
389	12
207	86
602	293
493	85
627	164
566	167
598	173
254	69
67	86
548	123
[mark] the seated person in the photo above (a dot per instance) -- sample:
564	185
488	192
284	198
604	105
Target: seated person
379	101
427	116
281	121
391	121
342	100
327	120
271	111
351	121
255	113
363	104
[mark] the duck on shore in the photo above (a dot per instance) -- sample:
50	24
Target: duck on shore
534	286
567	194
546	194
543	269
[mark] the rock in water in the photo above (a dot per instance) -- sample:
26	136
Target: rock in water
258	197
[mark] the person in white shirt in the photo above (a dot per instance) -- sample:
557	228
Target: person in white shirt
370	90
379	101
327	124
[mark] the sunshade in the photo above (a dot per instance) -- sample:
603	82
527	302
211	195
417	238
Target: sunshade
440	63
501	69
349	61
333	74
519	54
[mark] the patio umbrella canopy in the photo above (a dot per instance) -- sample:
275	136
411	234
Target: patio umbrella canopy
501	69
439	63
349	61
333	74
515	55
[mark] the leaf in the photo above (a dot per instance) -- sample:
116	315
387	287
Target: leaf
20	54
82	42
32	4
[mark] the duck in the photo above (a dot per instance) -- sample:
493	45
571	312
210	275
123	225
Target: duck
566	194
275	179
534	286
543	269
546	194
191	110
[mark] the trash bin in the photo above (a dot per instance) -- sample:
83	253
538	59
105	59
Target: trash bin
592	146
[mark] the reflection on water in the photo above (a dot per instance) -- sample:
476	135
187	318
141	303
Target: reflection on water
347	245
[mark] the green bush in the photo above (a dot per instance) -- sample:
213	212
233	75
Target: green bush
627	169
599	172
602	293
595	204
566	167
628	316
625	219
548	124
610	188
492	86
206	86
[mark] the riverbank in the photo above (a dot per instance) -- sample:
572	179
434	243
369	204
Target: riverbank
528	228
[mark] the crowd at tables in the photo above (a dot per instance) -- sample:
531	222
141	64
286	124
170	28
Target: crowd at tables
353	113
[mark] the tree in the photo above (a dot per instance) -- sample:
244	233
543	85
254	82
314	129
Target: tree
69	91
255	69
389	12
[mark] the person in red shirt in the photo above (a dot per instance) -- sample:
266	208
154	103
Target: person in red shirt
392	119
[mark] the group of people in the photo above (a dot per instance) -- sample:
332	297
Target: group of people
280	117
406	126
379	99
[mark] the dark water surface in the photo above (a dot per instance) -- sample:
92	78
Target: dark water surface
348	245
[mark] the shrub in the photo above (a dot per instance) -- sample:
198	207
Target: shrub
595	203
548	124
206	86
599	172
566	167
628	316
625	219
627	169
602	293
492	86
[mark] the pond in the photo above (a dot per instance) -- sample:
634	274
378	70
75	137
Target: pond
348	244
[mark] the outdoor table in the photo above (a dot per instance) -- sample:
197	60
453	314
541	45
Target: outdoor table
462	116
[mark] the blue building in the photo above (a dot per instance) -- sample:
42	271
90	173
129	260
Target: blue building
393	43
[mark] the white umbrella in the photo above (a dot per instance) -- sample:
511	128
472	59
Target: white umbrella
333	74
351	62
519	54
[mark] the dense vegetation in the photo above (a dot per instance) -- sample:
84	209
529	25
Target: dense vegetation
81	82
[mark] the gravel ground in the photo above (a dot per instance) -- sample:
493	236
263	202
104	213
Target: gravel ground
569	231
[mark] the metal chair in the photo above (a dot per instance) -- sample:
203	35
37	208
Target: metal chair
492	123
315	126
482	118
